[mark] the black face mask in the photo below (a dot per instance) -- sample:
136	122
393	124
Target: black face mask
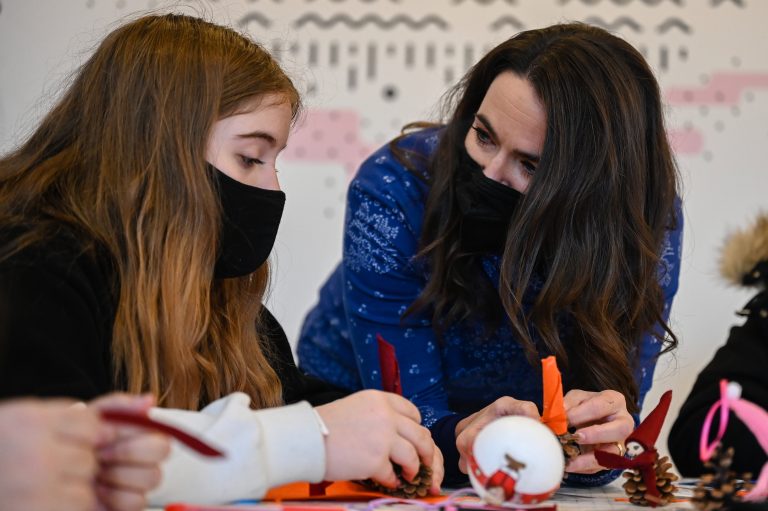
486	207
250	220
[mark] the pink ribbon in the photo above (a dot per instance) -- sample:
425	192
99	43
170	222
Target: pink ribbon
756	420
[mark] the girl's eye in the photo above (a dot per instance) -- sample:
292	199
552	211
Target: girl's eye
529	167
250	162
483	138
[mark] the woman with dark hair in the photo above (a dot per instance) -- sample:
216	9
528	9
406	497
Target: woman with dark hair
135	227
541	219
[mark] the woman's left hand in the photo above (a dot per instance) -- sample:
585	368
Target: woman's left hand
602	422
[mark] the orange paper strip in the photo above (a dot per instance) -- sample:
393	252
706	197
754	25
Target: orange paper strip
339	490
553	414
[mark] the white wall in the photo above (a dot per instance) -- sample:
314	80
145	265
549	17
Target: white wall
369	66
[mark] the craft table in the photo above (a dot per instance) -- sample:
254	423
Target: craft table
607	497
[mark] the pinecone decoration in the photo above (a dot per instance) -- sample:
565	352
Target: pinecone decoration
636	487
419	487
718	490
571	448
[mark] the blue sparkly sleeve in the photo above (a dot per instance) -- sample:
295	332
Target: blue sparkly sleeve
385	205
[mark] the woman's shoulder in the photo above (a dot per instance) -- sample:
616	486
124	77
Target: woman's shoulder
399	166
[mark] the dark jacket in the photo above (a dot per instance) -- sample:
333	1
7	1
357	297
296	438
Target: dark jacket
743	359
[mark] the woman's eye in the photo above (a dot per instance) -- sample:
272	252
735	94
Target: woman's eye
529	167
482	136
250	162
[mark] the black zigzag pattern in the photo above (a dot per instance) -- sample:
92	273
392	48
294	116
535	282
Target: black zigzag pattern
371	19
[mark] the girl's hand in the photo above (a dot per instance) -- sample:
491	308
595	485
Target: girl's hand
130	463
369	431
48	456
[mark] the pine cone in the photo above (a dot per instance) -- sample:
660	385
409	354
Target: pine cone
571	448
419	487
718	489
636	487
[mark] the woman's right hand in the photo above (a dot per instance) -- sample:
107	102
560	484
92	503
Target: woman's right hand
468	428
369	431
48	455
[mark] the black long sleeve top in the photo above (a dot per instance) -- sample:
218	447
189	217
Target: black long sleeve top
57	308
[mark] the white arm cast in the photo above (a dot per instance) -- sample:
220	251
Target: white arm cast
264	448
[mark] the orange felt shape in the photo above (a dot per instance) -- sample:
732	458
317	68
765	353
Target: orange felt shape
553	414
338	490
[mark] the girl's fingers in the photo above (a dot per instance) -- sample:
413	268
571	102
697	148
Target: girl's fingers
119	499
130	477
123	401
76	462
77	424
144	449
385	475
438	472
419	437
404	407
404	454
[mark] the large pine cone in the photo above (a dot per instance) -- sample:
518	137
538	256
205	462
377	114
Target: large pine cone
636	487
719	489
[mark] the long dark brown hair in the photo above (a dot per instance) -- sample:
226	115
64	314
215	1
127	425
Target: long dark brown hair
120	161
593	219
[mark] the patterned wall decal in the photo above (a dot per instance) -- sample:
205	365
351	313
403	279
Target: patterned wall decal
257	17
618	24
429	41
485	2
328	136
687	141
739	3
370	19
722	89
507	22
625	2
672	23
396	57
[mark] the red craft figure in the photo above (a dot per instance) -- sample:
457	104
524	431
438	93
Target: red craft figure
648	481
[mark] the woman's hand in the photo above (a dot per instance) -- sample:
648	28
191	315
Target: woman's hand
130	462
602	421
369	431
48	455
467	429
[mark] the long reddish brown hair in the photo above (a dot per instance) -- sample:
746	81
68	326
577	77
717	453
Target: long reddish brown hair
120	161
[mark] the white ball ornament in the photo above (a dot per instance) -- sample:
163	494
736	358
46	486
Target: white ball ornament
516	460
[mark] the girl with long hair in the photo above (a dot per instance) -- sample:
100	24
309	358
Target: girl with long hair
540	219
136	223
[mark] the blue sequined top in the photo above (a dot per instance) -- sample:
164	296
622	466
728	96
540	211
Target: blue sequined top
378	279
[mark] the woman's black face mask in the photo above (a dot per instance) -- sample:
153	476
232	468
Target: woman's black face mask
250	219
486	208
